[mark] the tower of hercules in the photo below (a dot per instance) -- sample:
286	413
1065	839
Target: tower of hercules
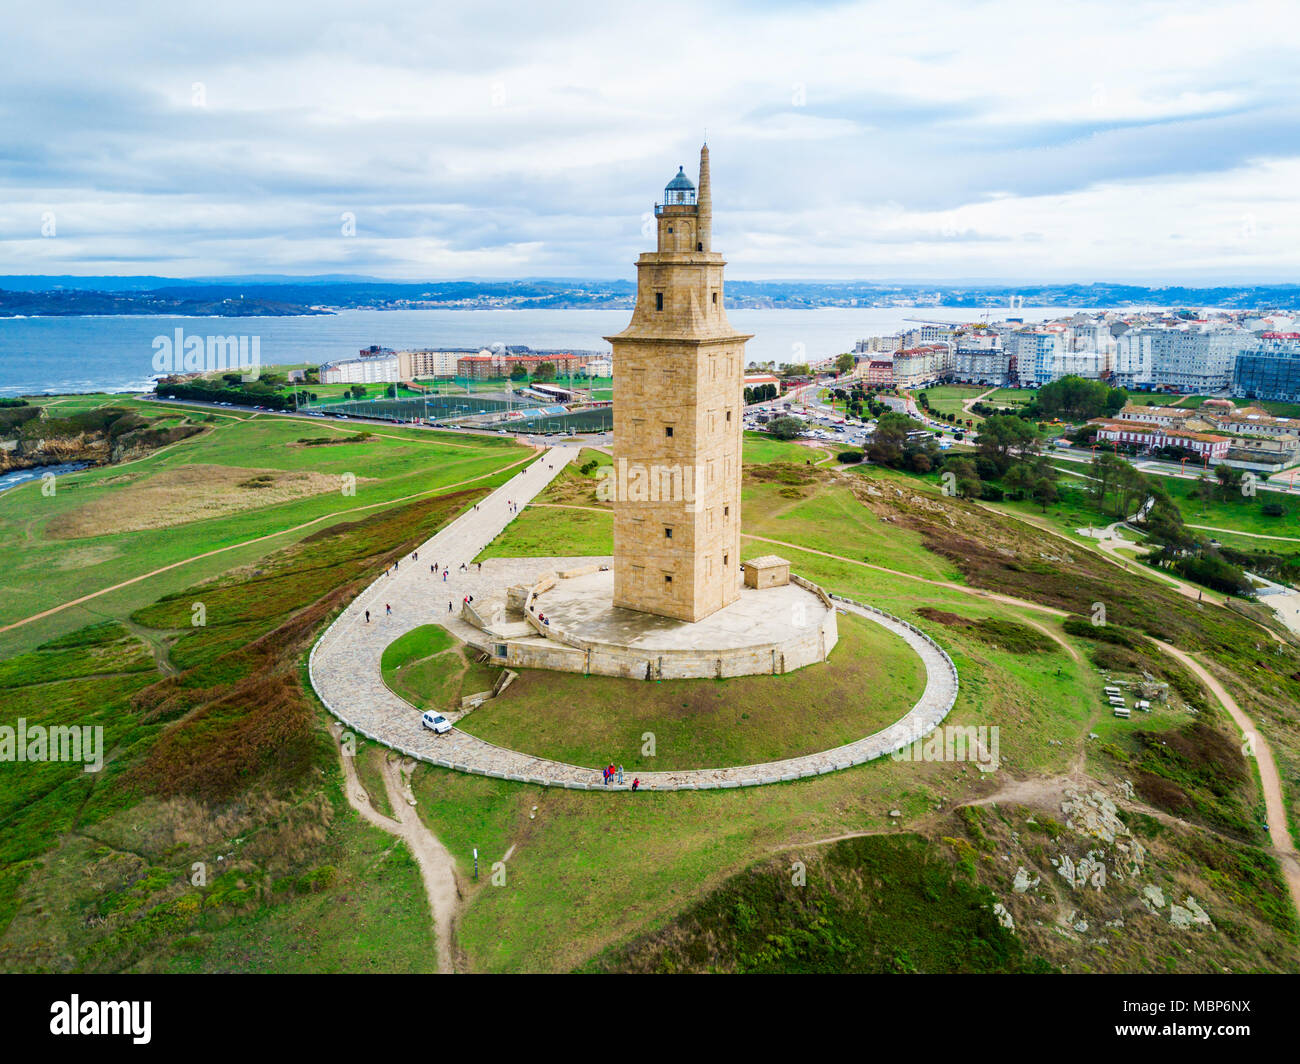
678	399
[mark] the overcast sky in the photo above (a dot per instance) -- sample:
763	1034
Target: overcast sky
999	141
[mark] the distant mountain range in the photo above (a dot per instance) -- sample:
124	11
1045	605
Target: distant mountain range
256	296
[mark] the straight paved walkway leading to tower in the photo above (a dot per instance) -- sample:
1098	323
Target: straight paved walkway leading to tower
345	662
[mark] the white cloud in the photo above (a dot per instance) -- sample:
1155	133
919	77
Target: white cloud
1010	139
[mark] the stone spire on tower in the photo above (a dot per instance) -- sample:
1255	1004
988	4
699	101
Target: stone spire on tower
705	202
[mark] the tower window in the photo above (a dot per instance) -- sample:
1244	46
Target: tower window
728	415
668	533
668	430
659	301
715	297
699	246
726	558
668	578
670	229
726	511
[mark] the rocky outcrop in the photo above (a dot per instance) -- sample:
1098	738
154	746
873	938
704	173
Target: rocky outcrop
31	448
32	453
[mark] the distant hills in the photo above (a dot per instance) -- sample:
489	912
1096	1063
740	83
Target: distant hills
263	295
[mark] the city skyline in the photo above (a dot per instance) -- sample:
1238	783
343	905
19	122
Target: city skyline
1144	142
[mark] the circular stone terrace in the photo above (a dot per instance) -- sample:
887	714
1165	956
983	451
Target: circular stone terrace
345	662
771	630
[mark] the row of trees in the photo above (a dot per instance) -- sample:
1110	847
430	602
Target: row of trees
253	393
761	393
544	372
1075	399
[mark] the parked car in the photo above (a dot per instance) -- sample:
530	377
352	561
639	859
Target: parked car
436	722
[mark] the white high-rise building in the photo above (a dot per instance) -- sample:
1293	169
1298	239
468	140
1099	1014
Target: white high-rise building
1195	358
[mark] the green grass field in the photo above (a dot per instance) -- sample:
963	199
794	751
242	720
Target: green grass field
1194	402
871	679
947	399
211	748
217	747
1012	396
200	495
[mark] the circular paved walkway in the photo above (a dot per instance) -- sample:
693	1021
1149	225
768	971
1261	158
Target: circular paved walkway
345	672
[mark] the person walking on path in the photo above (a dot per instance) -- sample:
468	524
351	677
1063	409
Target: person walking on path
604	774
388	609
635	784
444	576
367	616
449	609
620	774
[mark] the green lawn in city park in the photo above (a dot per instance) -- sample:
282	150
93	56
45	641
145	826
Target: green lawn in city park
1235	511
871	678
592	869
1012	396
43	571
1194	402
1189	402
1284	543
947	398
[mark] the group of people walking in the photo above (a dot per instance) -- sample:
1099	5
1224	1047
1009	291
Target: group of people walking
615	775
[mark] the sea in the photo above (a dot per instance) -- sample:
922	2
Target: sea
40	355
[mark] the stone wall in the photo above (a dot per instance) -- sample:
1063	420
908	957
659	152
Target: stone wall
569	654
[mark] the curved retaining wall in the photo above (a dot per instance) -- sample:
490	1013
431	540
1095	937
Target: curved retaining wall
466	753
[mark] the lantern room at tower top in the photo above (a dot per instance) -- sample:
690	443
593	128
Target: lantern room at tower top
685	217
679	192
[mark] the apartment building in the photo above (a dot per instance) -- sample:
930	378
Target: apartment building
1269	370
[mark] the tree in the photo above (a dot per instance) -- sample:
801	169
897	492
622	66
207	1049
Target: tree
544	372
517	372
1019	479
1074	398
1000	435
785	428
890	437
1045	492
1229	479
968	480
357	391
845	363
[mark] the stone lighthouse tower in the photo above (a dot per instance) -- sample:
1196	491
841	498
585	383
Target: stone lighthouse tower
678	398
